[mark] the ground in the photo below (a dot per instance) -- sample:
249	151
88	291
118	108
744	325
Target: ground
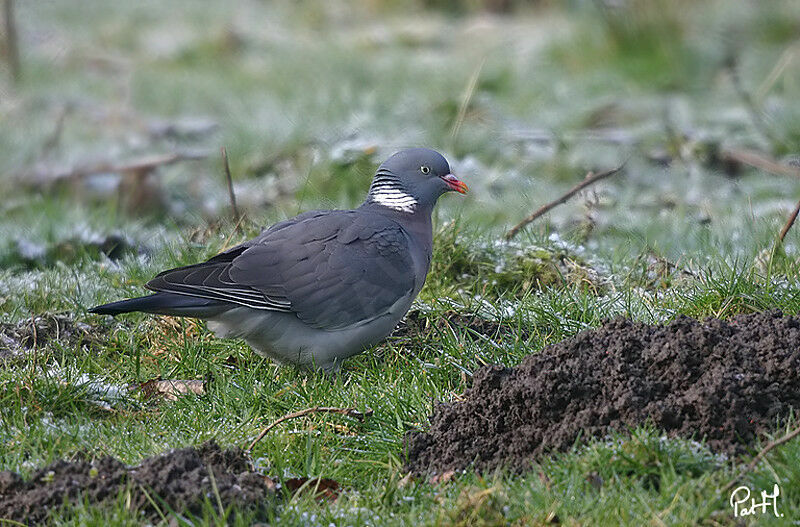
524	99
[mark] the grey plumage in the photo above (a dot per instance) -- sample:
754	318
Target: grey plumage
320	287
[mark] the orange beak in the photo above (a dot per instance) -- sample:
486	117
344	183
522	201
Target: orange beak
455	184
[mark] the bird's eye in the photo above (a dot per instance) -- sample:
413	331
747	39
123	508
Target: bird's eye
425	170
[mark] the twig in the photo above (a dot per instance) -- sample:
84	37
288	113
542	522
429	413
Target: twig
143	164
760	161
468	93
784	61
54	139
231	194
590	179
670	265
349	412
35	343
756	117
12	50
750	466
789	223
236	228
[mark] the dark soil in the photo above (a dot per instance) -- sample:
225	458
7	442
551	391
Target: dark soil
179	480
722	381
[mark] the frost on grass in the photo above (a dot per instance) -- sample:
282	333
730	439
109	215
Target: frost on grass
26	253
498	267
47	329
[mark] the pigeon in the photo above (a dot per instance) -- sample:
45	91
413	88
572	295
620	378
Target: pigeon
323	286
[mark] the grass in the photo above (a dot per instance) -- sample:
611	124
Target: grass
307	102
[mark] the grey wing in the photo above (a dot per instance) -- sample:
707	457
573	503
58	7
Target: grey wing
332	269
335	270
211	279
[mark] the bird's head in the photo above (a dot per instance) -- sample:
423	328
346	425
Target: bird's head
413	178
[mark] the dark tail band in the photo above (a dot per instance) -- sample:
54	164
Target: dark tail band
165	304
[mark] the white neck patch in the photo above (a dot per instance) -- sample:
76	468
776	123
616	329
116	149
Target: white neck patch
394	199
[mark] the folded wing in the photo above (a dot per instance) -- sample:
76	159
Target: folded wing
333	269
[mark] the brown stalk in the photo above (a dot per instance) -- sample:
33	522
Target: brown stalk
12	49
761	161
349	412
756	116
671	265
789	222
143	164
231	194
590	179
750	466
54	139
468	94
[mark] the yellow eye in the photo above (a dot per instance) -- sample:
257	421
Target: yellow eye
425	170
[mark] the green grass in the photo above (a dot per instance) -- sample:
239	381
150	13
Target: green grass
308	101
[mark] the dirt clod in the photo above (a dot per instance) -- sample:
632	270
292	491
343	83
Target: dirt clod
722	381
181	479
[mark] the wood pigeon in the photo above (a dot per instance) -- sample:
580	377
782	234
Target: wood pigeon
318	288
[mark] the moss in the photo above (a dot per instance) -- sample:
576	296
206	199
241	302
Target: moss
501	268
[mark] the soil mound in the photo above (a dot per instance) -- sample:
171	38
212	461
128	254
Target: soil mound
722	381
181	479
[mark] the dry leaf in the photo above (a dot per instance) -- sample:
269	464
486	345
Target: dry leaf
405	481
324	489
444	477
170	389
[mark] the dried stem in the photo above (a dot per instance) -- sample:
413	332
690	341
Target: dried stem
468	94
143	164
671	265
760	161
789	223
54	139
756	117
12	49
231	194
750	466
349	412
590	179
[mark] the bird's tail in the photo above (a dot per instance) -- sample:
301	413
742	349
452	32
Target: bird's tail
165	304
